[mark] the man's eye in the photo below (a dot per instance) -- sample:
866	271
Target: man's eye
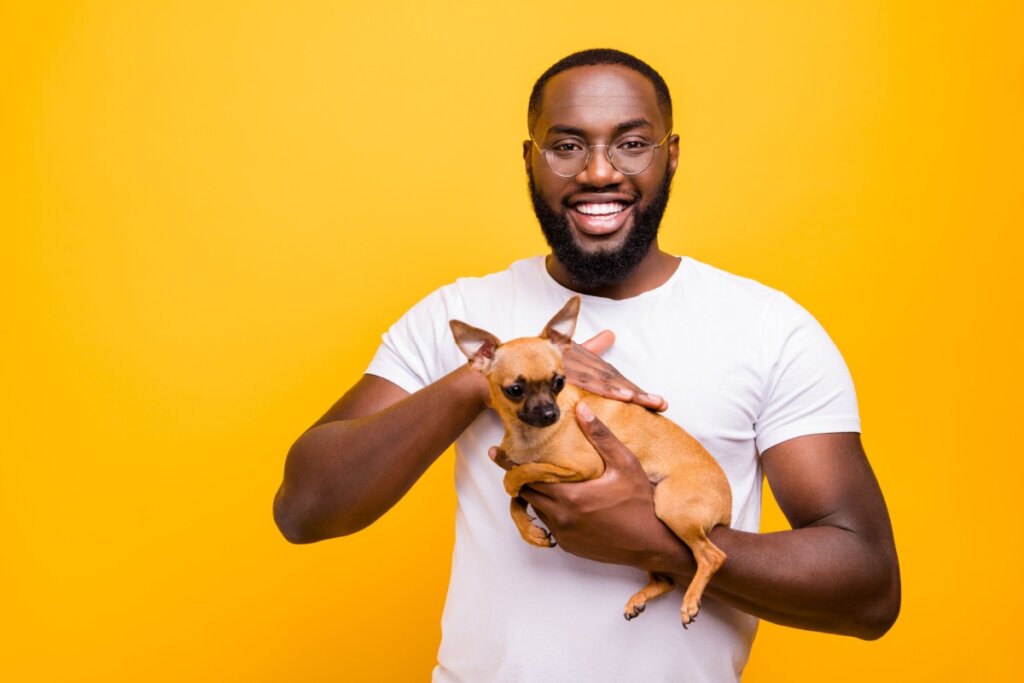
514	392
632	146
565	148
558	383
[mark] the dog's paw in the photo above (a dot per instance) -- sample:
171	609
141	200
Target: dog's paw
633	609
539	537
689	612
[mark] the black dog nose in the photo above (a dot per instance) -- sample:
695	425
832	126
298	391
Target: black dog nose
543	415
547	416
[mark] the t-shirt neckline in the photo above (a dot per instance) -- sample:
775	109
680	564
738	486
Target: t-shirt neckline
666	286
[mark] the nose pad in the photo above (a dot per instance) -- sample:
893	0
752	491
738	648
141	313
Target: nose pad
543	415
548	415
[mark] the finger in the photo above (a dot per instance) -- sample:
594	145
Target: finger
533	495
619	389
652	401
613	451
600	342
500	458
589	371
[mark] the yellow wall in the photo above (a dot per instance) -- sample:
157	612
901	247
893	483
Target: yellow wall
211	210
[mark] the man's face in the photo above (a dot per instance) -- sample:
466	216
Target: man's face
600	223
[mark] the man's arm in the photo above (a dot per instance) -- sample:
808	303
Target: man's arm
368	450
835	571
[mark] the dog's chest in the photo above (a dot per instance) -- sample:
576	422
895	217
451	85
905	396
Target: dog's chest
567	448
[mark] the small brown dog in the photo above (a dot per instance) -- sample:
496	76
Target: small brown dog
528	389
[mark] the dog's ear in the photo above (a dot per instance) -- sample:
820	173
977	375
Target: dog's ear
559	329
478	345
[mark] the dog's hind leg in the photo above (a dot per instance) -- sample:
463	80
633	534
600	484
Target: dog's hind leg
709	558
691	516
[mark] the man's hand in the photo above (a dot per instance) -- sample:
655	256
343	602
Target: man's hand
609	519
585	368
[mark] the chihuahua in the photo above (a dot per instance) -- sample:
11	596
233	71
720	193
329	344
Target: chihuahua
543	440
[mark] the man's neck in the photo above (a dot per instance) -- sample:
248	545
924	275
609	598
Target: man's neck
654	270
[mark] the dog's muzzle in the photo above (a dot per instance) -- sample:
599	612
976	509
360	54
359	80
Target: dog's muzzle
543	415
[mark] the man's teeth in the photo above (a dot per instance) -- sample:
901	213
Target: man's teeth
600	209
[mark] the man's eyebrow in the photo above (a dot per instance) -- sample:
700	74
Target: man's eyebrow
634	123
566	130
560	129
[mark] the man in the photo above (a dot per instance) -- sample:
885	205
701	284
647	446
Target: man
746	370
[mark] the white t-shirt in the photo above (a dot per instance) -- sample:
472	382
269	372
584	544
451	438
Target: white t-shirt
743	368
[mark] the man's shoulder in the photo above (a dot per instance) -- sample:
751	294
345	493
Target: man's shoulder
525	270
472	291
715	284
474	296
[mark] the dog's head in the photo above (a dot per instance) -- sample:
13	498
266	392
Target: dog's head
525	374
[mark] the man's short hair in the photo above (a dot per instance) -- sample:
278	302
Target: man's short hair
593	58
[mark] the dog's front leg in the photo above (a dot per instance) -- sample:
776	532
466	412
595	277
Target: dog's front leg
531	533
522	475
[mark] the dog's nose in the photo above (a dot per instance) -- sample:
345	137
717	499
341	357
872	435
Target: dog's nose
547	415
543	415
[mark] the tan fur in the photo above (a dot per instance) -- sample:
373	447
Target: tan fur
691	493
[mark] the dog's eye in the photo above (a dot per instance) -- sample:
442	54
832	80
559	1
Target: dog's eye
514	392
558	383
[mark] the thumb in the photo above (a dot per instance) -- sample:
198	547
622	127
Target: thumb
600	342
612	451
500	458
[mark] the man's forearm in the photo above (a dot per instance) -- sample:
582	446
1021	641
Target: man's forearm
823	578
344	473
835	571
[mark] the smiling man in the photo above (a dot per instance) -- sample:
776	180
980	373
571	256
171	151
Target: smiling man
600	213
743	368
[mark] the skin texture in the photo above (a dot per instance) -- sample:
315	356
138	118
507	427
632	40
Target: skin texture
836	570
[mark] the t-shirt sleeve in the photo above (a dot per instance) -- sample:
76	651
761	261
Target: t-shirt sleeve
809	389
419	349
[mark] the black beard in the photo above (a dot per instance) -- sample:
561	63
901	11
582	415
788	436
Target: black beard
590	270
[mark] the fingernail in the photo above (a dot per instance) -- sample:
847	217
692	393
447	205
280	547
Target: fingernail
624	393
492	453
583	410
654	398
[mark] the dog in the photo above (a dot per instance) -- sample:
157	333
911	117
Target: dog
537	406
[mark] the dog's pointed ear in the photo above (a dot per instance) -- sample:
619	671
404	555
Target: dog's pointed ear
559	329
478	345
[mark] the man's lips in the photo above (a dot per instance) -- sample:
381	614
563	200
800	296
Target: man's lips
600	217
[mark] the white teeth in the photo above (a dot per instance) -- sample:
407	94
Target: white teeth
600	209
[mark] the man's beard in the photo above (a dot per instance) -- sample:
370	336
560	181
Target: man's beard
591	269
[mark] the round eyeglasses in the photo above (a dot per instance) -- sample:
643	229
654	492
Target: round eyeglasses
629	155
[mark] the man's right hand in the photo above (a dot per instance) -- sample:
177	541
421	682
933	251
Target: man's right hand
585	368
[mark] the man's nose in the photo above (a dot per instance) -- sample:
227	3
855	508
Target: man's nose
599	172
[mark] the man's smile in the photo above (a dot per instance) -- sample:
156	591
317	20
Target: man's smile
599	217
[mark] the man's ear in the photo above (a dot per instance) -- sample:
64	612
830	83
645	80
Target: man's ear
673	154
559	329
478	345
527	154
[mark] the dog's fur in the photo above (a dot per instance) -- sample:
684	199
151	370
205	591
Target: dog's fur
542	438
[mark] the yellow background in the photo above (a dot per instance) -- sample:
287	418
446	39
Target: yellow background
211	211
